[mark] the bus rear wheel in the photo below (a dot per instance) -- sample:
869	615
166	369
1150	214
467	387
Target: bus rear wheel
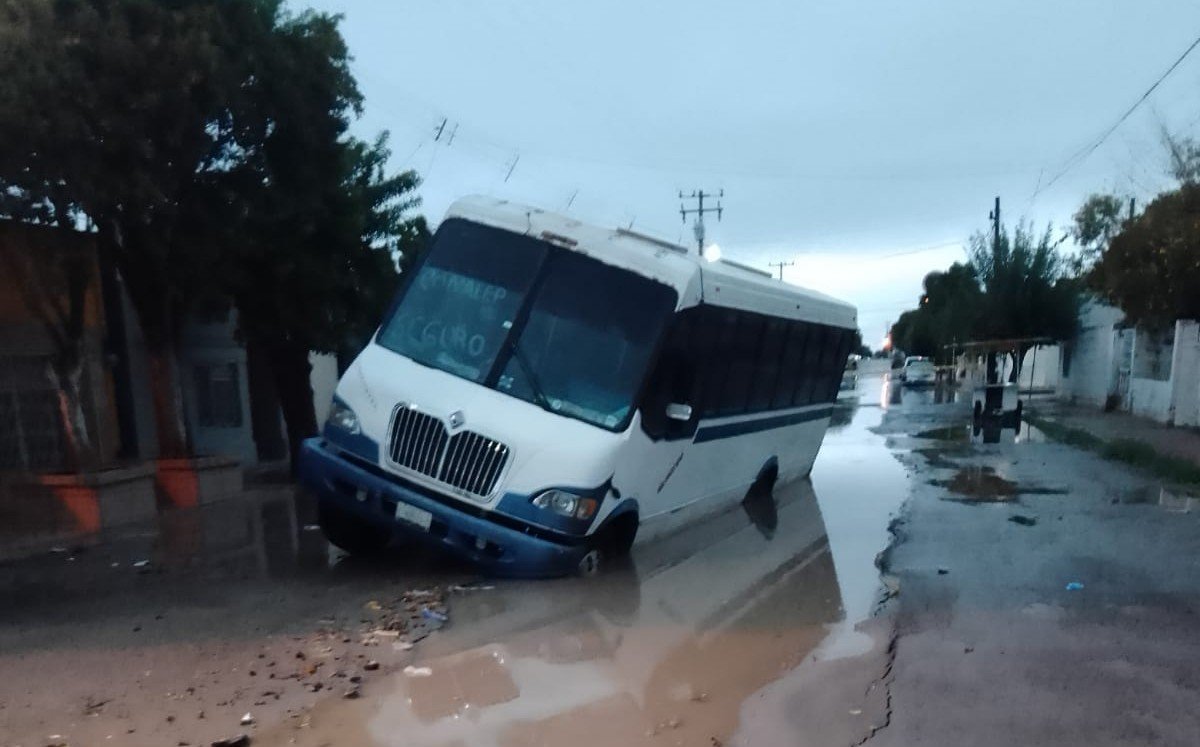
350	533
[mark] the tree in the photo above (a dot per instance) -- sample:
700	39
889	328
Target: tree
1027	292
1097	222
1151	269
112	112
946	314
314	229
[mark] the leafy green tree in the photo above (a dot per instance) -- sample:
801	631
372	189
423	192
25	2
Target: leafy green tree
1027	289
1151	269
947	313
111	114
313	227
1097	222
207	143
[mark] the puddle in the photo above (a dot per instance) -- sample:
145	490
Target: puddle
981	484
952	433
665	651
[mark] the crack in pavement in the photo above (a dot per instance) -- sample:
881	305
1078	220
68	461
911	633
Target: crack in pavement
886	680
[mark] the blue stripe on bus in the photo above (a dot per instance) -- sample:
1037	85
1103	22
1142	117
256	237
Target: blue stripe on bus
729	430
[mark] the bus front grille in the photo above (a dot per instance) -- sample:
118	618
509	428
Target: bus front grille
467	461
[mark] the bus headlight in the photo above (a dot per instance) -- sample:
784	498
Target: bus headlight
566	504
343	418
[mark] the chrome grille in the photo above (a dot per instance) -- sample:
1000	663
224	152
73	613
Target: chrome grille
473	463
466	461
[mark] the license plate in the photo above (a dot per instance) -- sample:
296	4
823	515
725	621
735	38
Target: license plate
414	515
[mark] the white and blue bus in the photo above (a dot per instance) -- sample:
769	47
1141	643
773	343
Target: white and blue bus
541	391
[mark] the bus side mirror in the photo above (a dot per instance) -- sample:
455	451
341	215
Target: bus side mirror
676	411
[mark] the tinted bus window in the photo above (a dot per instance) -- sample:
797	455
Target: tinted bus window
770	359
735	395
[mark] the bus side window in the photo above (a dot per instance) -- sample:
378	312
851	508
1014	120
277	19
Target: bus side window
769	365
743	367
793	366
714	346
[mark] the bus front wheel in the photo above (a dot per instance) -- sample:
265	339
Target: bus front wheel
350	533
610	543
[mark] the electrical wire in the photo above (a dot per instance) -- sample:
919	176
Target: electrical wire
1082	155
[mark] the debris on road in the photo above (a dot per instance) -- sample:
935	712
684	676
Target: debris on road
247	720
241	740
371	666
411	671
1074	586
1025	521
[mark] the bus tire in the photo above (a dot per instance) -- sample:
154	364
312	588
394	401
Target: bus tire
350	533
612	543
590	564
616	539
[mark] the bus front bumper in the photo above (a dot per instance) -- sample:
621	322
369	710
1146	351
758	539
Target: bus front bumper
372	495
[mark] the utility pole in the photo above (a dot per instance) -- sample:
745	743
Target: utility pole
993	373
781	265
995	216
1132	206
700	210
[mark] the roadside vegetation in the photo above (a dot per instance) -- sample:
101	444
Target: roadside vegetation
1125	450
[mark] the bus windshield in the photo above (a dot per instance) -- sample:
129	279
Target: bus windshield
550	326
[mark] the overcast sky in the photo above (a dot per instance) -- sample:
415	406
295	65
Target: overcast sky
863	141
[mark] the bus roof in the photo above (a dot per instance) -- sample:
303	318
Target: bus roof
722	283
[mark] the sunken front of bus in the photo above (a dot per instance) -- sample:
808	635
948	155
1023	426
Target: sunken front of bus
487	413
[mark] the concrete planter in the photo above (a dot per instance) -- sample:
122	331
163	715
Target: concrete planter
84	503
186	483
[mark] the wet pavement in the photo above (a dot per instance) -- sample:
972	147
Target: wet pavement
769	624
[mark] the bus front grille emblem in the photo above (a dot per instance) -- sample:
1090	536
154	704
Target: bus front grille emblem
457	419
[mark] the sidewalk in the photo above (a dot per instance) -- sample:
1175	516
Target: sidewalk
1117	429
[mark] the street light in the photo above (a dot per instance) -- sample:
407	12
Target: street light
712	252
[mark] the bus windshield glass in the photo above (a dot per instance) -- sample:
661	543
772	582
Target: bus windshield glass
590	333
553	327
458	310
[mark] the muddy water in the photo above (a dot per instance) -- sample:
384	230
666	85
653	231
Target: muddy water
665	651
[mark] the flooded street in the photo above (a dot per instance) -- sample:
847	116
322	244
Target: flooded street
769	624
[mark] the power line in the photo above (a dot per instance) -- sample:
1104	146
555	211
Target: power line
1083	154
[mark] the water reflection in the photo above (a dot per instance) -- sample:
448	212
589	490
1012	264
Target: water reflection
261	538
754	591
895	393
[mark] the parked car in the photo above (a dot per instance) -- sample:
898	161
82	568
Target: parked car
918	371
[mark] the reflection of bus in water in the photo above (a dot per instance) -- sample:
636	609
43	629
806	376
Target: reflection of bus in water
542	390
699	637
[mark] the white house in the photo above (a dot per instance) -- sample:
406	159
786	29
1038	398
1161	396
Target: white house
1154	374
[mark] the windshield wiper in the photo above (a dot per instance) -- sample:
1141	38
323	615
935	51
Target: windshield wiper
535	386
